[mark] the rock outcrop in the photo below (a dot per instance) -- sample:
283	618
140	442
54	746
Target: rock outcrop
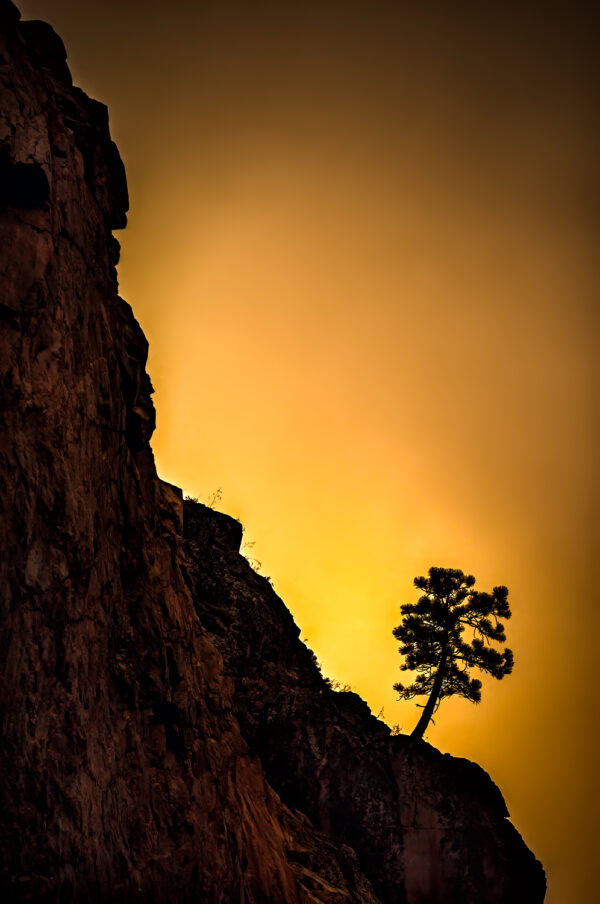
165	734
426	827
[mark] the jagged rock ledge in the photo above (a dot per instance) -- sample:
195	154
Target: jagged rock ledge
166	737
425	826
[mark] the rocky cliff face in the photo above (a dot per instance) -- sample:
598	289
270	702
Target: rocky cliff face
426	827
165	734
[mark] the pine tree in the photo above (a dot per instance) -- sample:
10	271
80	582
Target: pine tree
432	639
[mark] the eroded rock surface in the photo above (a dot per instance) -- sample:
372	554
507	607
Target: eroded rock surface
165	735
124	772
427	827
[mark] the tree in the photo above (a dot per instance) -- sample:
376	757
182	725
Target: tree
432	639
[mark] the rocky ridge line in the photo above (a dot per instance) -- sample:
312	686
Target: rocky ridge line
149	752
427	827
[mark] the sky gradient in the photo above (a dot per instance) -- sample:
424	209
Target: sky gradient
363	247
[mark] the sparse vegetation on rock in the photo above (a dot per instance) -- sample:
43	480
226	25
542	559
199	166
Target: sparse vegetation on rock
432	639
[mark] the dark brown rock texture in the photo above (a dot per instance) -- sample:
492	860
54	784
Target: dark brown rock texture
165	735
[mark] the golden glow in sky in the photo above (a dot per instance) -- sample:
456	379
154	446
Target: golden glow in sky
362	248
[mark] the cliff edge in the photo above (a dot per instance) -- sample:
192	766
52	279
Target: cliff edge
166	736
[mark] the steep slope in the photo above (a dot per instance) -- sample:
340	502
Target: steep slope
427	827
165	735
124	773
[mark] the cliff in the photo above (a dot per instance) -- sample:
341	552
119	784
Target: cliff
165	734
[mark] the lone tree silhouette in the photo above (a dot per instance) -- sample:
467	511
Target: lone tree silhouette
432	642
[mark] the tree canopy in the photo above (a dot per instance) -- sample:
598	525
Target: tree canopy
447	632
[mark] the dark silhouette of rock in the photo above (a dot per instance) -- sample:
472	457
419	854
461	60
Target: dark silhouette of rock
165	735
426	827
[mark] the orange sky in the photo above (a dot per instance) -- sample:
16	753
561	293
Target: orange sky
362	247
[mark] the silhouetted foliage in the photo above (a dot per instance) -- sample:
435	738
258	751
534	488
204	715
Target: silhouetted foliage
338	686
214	498
432	639
252	560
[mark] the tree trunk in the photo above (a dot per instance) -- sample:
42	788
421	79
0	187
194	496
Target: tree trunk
429	707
